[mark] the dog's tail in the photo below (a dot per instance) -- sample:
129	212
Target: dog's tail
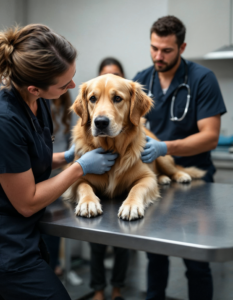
194	172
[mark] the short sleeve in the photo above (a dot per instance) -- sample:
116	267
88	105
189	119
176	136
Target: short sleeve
209	98
14	156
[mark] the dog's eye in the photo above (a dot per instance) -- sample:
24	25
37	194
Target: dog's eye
92	99
117	99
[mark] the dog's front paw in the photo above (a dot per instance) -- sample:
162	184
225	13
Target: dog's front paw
88	208
164	180
131	211
182	177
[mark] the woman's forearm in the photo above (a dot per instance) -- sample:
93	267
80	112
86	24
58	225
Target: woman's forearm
28	197
49	190
58	160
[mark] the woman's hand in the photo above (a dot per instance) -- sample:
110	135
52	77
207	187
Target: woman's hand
62	158
97	161
69	154
152	150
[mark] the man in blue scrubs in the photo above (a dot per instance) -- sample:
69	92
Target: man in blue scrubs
189	139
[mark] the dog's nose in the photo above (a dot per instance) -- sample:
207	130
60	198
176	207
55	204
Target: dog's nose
101	122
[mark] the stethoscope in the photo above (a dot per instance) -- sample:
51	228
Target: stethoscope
173	118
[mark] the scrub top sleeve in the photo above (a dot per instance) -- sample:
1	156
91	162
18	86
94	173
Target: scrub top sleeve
209	98
14	156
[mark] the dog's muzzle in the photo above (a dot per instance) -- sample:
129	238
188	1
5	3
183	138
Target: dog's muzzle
101	125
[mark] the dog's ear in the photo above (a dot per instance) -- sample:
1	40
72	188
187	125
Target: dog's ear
140	103
80	104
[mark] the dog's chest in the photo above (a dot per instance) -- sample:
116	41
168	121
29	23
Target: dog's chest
117	181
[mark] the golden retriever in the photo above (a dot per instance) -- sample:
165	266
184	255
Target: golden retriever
111	110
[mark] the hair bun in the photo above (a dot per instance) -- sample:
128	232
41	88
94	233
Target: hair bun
8	52
33	55
7	41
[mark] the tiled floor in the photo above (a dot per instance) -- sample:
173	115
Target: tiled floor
177	286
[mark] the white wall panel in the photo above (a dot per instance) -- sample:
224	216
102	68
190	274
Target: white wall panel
12	12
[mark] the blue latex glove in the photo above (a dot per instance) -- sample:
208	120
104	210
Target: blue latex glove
69	154
152	150
97	161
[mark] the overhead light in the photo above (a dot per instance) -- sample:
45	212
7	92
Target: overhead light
226	51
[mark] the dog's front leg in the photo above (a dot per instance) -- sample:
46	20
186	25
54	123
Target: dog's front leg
144	192
89	204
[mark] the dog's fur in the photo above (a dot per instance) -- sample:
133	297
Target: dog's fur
124	103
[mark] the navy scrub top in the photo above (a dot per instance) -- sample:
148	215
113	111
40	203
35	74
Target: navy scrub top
206	101
22	147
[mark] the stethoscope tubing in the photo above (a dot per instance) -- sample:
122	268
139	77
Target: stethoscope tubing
184	84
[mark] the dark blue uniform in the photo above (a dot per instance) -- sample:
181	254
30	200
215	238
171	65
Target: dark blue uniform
206	101
23	272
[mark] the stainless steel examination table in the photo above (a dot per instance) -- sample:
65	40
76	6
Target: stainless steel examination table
192	221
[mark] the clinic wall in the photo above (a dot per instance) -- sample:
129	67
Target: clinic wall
13	12
121	29
207	23
102	28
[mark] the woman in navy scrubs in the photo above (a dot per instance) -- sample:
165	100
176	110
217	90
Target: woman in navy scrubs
35	64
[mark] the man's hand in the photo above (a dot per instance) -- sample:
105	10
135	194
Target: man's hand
152	150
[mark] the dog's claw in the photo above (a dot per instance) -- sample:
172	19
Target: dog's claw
130	212
88	209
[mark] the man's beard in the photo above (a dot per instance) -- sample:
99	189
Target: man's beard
166	67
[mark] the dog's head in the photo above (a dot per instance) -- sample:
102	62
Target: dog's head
110	103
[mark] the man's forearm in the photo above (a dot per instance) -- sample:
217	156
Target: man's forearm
192	145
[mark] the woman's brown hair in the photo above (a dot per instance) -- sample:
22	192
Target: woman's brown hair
33	55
